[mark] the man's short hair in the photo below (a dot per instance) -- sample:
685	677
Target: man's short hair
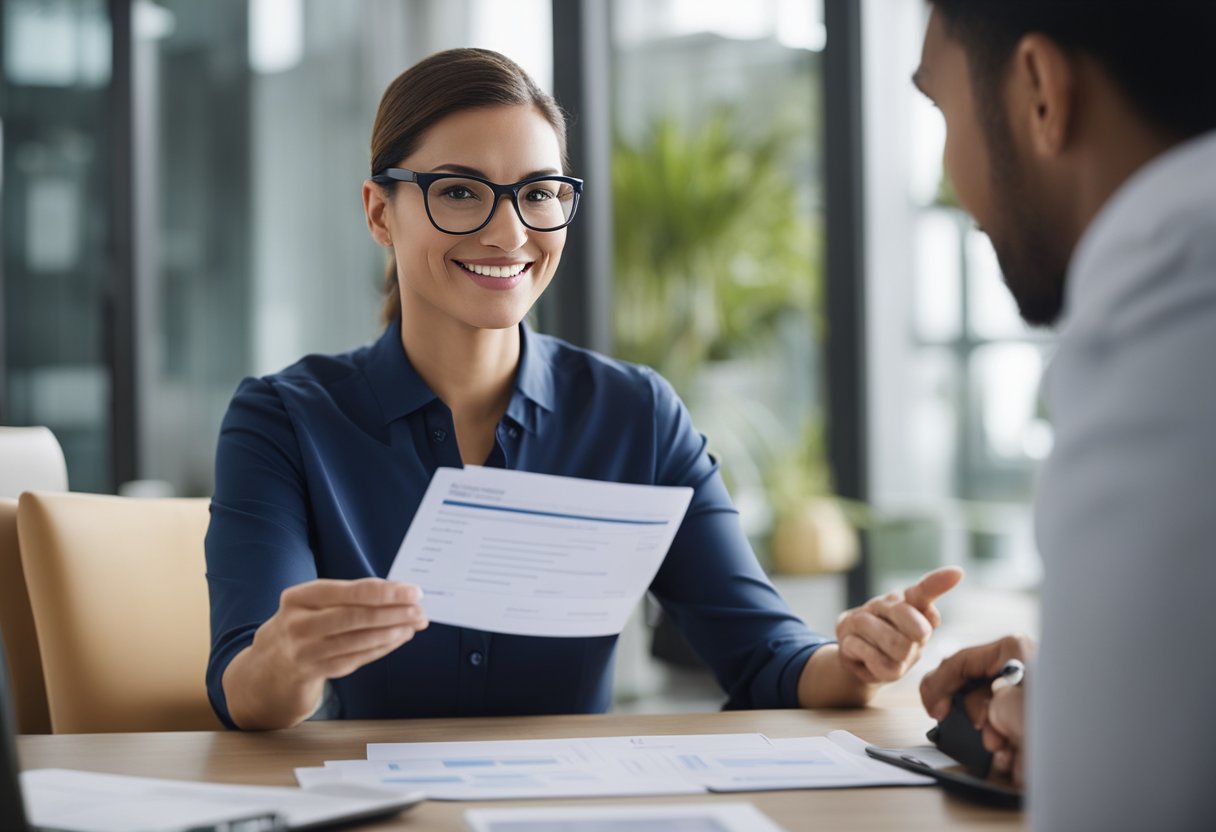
1160	53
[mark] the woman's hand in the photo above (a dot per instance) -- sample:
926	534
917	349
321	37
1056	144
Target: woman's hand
878	643
323	629
882	639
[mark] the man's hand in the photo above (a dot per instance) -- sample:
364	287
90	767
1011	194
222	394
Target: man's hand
1000	715
882	639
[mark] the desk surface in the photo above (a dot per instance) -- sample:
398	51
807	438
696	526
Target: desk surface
268	759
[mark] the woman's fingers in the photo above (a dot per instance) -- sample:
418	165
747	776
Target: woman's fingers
332	621
369	592
319	654
337	666
323	625
881	667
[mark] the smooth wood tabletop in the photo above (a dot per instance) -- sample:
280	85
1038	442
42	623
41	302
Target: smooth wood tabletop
269	758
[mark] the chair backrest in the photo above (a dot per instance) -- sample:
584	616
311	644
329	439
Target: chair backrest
30	460
119	597
17	626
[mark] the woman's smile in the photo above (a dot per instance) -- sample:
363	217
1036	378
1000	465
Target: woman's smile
498	275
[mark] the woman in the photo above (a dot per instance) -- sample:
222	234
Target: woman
321	467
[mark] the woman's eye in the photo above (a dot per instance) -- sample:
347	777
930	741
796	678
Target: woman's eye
457	192
539	195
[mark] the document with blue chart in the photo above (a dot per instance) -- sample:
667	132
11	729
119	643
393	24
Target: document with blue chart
534	554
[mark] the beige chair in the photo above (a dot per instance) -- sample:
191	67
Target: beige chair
119	597
17	626
30	457
30	460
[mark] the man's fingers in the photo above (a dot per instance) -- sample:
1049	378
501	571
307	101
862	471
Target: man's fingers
939	684
1002	762
1006	714
994	740
933	586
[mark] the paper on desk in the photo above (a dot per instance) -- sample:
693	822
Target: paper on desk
501	769
83	801
582	748
533	554
685	817
837	760
603	766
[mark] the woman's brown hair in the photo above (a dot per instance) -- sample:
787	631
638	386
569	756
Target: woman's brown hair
445	83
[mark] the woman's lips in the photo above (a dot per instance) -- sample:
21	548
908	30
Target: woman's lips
496	276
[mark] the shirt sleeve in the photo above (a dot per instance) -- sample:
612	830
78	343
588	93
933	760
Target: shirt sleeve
258	541
711	583
1120	714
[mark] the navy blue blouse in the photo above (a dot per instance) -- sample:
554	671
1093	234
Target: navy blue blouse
321	467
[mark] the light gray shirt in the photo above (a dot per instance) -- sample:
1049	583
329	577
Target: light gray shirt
1122	713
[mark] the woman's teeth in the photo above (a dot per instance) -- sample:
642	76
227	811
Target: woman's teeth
494	271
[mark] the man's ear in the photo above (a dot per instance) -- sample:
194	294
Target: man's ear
1043	80
376	210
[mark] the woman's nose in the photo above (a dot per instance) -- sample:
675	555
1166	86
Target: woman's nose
505	230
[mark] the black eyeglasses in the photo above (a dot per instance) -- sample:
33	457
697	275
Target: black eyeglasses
461	204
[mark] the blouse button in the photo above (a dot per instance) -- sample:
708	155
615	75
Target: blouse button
476	658
439	434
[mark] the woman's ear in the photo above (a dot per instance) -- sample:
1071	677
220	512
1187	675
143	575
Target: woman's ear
376	209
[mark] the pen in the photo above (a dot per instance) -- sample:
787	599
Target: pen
1013	672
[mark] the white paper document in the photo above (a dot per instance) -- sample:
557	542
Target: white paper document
683	817
836	761
533	554
614	766
84	801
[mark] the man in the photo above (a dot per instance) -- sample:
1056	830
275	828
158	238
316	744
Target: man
1080	135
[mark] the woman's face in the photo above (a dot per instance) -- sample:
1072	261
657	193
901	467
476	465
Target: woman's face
439	273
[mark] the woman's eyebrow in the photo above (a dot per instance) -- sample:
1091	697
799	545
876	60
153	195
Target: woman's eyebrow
468	171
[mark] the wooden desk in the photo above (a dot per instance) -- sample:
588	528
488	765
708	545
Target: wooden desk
268	759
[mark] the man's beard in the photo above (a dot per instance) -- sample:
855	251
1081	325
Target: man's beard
1027	243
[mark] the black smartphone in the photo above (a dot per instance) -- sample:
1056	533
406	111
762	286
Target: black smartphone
958	738
956	782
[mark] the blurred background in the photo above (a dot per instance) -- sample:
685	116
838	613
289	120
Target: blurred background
767	223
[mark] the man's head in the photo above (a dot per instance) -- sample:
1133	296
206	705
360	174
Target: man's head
1051	104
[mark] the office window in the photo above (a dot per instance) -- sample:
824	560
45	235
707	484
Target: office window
57	223
249	138
263	116
718	227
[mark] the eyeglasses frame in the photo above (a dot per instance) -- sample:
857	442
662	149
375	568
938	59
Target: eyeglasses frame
424	181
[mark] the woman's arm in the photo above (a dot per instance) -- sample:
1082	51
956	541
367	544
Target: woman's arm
277	631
